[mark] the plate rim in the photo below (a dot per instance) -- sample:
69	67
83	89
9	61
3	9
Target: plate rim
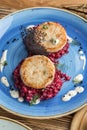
15	121
52	116
45	7
43	117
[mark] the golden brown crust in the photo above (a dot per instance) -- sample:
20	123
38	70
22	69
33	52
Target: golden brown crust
37	71
53	31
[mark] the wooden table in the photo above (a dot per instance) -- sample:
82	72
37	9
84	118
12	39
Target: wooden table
62	123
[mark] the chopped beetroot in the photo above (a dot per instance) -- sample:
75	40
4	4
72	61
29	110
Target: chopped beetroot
56	55
51	90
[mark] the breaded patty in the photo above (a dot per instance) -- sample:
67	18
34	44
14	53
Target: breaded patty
37	71
51	35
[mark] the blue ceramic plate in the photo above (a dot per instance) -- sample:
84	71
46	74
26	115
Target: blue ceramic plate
10	39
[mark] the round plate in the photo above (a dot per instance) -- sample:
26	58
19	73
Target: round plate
11	40
10	124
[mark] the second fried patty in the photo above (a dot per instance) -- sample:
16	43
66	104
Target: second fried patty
46	38
37	71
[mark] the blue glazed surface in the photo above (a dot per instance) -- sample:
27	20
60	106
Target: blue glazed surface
10	29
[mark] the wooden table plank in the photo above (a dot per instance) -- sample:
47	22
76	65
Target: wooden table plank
78	9
62	123
20	4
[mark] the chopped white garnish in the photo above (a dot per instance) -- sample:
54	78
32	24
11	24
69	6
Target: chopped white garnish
57	41
3	59
79	89
78	78
66	97
37	101
30	26
82	57
81	52
72	93
69	95
4	81
20	99
69	39
54	41
14	93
